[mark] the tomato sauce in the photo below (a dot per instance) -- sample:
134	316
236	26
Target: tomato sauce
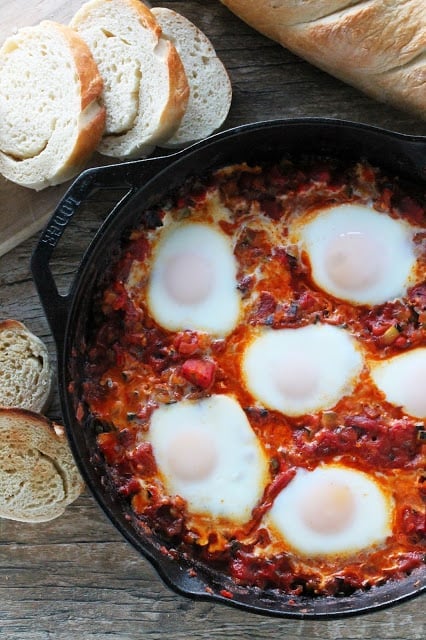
132	365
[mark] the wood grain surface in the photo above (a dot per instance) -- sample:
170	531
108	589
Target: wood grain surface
75	578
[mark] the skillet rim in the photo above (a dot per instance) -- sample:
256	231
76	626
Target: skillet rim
363	602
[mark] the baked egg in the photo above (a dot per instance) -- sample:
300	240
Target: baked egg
297	371
358	254
332	510
208	454
192	284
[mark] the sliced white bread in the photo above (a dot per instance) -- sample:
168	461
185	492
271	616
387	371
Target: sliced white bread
210	87
26	374
51	119
145	86
38	476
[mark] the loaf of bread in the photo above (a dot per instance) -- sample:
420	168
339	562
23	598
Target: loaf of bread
145	85
210	87
38	476
377	46
51	119
26	374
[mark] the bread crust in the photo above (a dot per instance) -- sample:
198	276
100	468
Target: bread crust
179	94
38	476
136	142
31	172
210	94
179	87
271	16
91	87
91	82
377	46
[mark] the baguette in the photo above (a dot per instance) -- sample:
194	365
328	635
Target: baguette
210	87
377	46
26	375
51	119
38	476
146	90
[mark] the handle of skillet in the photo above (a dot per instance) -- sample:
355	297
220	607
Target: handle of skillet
130	176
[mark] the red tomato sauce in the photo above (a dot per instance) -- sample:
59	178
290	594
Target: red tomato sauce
132	365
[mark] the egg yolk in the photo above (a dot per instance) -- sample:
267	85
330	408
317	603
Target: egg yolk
329	508
192	456
188	278
354	261
297	377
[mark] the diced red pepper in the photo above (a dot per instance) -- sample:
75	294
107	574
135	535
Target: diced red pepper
320	174
307	301
367	173
414	523
386	199
379	329
139	249
265	306
110	447
408	206
143	458
129	487
272	208
199	372
186	343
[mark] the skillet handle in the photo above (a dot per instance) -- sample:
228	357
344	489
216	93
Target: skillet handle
130	176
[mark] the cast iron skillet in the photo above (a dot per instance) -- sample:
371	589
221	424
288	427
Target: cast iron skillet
145	182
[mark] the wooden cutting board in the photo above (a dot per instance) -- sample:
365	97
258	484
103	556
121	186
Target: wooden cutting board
25	211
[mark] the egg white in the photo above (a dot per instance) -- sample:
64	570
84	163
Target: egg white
303	516
205	296
358	254
402	379
208	454
298	371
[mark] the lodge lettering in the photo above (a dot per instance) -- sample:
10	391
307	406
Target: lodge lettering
61	218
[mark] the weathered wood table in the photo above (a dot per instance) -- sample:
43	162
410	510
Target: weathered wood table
75	577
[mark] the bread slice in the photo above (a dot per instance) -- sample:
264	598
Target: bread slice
377	46
210	87
146	90
51	119
38	476
26	375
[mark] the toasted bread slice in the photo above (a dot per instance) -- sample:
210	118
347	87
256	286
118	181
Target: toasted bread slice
38	476
210	87
146	90
51	119
26	374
